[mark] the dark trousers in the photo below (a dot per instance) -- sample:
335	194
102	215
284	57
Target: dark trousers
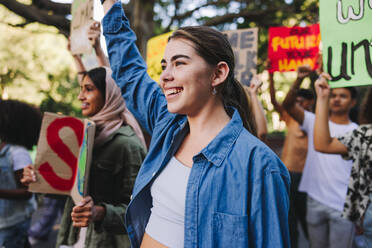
52	207
297	209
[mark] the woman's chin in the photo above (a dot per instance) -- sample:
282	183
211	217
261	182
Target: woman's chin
174	109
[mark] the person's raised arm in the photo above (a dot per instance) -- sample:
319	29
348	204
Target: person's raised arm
323	142
78	62
94	35
107	5
257	108
289	103
277	106
142	95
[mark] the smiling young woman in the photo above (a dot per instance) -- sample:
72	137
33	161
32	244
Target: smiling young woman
207	181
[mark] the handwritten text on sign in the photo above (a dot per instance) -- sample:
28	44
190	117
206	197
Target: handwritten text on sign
244	45
347	41
292	47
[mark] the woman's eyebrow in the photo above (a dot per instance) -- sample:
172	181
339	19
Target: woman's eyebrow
176	57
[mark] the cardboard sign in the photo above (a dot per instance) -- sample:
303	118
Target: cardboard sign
155	51
244	45
63	156
292	47
82	18
347	41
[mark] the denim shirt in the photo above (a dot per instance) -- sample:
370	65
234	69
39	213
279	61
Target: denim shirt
12	212
237	193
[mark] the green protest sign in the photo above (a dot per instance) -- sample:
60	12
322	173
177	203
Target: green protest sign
347	41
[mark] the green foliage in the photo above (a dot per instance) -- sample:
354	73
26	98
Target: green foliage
35	66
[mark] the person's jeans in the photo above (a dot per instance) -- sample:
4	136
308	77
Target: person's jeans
52	207
367	224
297	209
15	236
326	227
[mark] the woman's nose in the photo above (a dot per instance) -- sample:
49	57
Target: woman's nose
81	96
166	75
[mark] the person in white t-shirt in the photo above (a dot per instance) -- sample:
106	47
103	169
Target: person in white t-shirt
325	177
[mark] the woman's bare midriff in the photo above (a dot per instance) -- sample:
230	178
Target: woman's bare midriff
148	242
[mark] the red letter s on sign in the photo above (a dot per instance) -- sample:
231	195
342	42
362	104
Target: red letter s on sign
63	151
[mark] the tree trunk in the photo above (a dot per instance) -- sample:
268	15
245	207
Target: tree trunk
143	22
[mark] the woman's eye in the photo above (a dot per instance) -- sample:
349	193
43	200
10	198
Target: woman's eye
163	67
179	63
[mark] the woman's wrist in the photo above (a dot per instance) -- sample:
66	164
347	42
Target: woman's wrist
98	212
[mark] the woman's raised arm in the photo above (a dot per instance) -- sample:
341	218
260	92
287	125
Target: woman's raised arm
143	95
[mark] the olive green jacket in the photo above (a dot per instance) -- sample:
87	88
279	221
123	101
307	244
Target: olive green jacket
113	171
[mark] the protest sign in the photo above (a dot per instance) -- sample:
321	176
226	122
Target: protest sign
347	40
155	51
63	156
290	47
82	18
244	45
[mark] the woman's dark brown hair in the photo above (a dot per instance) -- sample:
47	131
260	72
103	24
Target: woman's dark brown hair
365	115
19	123
214	47
98	77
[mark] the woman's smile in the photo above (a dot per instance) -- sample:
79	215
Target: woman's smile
173	92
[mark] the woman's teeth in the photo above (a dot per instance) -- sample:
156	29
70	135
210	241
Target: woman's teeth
173	91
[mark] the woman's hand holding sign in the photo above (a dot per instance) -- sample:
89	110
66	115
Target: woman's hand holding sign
85	212
29	175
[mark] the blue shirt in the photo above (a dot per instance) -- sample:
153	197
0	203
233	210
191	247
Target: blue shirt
237	193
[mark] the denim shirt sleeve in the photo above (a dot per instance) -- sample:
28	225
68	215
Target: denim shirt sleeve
143	95
270	211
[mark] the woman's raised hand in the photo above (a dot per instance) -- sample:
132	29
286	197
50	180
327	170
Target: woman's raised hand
321	85
94	34
29	175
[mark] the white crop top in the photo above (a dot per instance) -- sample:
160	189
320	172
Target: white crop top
168	191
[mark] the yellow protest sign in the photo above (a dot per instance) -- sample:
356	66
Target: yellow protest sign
155	52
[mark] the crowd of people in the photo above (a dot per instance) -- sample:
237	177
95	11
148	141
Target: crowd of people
205	178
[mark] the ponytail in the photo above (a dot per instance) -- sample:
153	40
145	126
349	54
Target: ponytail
233	94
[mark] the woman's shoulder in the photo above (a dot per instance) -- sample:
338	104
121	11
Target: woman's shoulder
124	138
254	152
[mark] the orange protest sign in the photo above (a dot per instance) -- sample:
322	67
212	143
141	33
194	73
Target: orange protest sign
63	156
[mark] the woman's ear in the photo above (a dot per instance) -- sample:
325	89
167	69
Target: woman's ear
220	74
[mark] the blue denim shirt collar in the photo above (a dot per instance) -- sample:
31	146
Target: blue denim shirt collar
219	148
216	151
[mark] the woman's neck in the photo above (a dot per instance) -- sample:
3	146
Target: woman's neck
208	122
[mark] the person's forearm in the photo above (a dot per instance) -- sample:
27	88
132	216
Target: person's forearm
101	57
15	194
107	5
79	67
322	136
290	99
274	102
260	118
142	95
98	213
